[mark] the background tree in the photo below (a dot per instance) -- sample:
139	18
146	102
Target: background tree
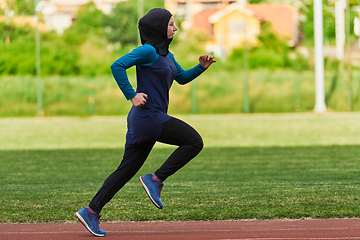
25	7
121	24
88	22
19	7
149	4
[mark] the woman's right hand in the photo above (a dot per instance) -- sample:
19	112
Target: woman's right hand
139	100
206	60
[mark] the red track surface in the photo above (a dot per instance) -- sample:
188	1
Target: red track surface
328	229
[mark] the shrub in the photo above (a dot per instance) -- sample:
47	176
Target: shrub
272	52
267	58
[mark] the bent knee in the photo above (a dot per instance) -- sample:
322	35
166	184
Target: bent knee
198	143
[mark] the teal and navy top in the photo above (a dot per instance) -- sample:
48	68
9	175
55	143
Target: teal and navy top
155	75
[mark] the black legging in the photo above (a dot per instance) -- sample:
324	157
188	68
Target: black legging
175	132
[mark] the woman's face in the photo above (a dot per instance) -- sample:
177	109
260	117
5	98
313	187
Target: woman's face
171	28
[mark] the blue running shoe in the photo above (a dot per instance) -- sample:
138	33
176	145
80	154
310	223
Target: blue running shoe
153	189
91	222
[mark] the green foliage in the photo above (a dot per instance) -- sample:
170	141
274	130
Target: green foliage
259	58
82	49
271	40
25	7
306	8
150	4
354	2
13	32
59	59
20	7
88	22
265	58
95	40
121	24
272	52
328	21
60	55
297	61
18	57
308	22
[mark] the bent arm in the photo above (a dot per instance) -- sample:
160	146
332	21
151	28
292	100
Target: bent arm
142	56
186	76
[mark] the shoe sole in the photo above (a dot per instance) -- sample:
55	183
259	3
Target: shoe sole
148	193
87	227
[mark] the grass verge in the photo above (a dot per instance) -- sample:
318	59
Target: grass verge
257	166
219	184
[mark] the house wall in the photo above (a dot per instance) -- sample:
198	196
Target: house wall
73	5
232	30
2	4
284	19
188	8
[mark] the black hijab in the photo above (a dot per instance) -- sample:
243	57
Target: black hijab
153	30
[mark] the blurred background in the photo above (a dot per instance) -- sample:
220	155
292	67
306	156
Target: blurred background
55	55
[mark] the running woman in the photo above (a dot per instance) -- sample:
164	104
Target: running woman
148	121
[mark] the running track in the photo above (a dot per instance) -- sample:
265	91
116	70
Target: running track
328	229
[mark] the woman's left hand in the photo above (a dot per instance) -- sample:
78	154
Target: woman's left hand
206	60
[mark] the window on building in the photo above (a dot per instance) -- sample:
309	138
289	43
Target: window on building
237	26
181	10
211	4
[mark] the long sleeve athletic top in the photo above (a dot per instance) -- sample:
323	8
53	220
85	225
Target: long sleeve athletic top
155	75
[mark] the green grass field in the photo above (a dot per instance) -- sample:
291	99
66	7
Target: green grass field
258	166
